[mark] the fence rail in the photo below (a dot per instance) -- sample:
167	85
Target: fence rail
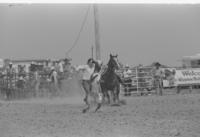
139	81
25	85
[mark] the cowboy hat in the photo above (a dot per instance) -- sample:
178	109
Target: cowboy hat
126	66
52	68
157	64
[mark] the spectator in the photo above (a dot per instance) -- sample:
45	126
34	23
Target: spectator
127	80
53	76
158	77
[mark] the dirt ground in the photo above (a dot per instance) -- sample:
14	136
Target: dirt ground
146	116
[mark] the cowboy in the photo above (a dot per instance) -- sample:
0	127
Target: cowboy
127	80
10	69
36	79
61	66
54	81
10	72
158	77
56	66
53	76
87	70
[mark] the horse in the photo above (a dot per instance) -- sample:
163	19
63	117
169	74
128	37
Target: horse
110	81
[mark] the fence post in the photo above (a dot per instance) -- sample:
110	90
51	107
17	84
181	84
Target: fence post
137	84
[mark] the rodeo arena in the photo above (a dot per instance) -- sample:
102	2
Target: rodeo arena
36	78
55	98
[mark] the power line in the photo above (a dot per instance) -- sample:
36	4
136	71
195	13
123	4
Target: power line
81	29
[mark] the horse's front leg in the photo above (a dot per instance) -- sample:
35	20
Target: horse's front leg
117	94
107	96
114	96
117	97
86	109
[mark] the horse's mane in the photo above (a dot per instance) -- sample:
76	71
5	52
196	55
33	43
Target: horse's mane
104	69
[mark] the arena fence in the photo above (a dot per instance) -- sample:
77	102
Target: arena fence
16	86
139	82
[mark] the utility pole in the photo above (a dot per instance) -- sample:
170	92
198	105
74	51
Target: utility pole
92	51
97	33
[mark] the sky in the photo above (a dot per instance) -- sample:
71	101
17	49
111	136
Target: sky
139	34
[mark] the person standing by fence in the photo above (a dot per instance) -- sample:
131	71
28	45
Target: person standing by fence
54	80
158	78
61	68
37	81
127	81
10	72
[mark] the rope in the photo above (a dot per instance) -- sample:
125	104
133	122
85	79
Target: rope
81	29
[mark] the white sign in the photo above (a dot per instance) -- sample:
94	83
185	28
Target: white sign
187	76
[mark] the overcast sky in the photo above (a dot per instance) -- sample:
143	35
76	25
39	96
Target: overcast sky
139	34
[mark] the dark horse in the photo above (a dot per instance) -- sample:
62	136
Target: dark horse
110	81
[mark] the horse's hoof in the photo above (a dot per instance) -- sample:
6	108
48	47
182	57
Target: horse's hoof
85	100
123	102
98	111
108	103
98	107
84	110
115	105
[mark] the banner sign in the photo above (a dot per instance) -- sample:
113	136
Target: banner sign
187	76
176	77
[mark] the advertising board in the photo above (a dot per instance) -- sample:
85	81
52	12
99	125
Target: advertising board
183	77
